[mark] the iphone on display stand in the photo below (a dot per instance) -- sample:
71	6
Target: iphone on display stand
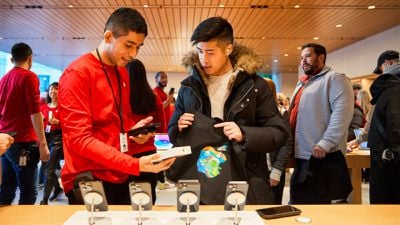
93	195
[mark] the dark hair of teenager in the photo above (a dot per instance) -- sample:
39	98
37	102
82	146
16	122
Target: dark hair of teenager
142	97
213	28
55	85
158	74
318	49
124	20
20	52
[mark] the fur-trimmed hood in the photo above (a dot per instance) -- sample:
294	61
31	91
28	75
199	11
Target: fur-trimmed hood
242	58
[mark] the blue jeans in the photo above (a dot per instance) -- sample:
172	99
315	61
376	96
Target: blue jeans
22	176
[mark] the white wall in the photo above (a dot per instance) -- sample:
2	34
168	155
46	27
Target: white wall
288	83
174	80
360	58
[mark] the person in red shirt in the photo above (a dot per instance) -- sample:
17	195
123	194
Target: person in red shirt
19	111
161	79
52	126
144	102
95	113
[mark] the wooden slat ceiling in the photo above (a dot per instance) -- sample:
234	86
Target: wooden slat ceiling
61	30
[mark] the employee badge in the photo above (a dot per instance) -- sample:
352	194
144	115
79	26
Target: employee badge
123	142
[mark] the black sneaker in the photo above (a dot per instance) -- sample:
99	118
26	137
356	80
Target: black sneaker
56	193
44	202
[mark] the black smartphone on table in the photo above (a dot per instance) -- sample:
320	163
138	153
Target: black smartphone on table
149	128
278	211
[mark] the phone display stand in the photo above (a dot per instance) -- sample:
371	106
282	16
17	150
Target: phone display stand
93	198
139	199
188	198
236	198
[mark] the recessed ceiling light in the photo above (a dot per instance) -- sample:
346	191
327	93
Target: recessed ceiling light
299	48
267	65
275	60
338	25
316	38
70	6
1	38
296	6
286	54
263	38
221	6
371	7
146	6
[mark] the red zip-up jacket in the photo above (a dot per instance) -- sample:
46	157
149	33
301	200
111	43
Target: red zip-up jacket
91	124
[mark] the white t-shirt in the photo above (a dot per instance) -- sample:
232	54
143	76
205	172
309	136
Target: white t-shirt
218	92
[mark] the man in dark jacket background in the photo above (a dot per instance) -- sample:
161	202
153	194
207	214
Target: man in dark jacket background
384	133
223	84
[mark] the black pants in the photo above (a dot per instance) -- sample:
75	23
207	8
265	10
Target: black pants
118	194
384	180
56	154
302	188
278	190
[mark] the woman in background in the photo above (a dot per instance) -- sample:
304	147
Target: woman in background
144	103
52	127
364	101
278	160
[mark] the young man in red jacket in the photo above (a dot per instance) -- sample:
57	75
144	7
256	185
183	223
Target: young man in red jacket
95	112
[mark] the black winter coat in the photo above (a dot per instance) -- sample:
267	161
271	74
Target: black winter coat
384	91
252	106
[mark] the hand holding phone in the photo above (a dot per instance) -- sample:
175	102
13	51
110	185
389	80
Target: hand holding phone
171	91
149	128
173	152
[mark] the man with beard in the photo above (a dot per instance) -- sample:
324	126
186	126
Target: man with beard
320	116
161	82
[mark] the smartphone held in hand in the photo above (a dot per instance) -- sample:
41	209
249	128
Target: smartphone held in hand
149	128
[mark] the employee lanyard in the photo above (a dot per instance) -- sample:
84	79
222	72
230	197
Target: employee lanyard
118	105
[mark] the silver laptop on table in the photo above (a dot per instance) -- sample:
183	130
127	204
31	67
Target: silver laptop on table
363	145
